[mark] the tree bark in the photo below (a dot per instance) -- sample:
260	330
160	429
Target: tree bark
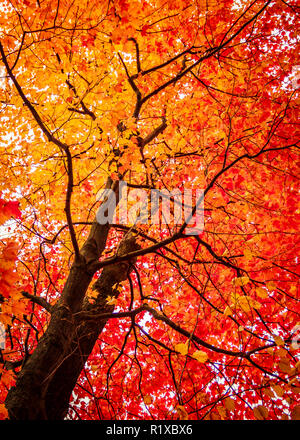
65	377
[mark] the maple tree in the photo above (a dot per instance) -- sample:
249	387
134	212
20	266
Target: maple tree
139	320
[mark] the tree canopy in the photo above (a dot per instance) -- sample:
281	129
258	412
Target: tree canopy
135	319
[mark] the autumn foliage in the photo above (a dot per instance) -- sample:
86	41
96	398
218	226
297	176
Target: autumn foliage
144	320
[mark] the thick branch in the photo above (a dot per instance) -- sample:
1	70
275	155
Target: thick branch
95	243
134	88
137	49
189	335
158	130
38	300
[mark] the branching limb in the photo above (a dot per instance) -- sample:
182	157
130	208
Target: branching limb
38	300
134	88
158	130
100	316
137	49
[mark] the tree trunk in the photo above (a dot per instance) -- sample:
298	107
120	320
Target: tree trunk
65	377
45	383
26	401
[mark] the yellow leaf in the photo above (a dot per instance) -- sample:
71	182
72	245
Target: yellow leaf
215	416
202	397
278	390
111	300
147	400
245	303
296	390
222	412
93	294
284	366
200	356
240	281
296	413
227	311
182	349
260	412
3	412
182	414
269	393
282	352
278	340
229	404
271	285
248	254
262	293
